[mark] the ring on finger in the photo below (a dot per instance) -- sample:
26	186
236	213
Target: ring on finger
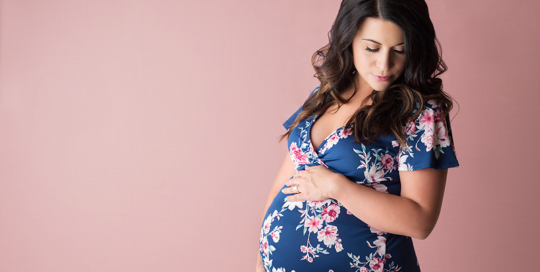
295	189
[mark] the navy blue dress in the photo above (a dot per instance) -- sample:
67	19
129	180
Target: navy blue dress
311	236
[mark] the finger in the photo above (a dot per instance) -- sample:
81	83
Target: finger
290	190
291	182
287	183
294	198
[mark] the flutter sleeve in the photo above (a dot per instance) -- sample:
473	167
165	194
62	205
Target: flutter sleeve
291	119
430	141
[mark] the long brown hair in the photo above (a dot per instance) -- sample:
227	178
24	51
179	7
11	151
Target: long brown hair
404	99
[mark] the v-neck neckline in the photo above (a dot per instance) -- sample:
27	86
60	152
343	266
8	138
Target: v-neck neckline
325	139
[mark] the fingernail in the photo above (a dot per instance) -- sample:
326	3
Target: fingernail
282	190
285	199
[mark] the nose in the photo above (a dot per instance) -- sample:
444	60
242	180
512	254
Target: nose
384	61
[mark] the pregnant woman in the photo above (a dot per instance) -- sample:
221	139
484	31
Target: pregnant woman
368	151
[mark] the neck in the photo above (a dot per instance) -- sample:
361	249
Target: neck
363	90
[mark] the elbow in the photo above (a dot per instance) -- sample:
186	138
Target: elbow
423	232
422	235
424	225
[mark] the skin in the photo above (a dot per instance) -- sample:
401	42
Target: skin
415	212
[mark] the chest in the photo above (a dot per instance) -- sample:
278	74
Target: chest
363	163
327	123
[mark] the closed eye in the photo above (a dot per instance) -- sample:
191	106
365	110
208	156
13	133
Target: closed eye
377	50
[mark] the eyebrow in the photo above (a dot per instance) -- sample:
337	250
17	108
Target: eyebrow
379	42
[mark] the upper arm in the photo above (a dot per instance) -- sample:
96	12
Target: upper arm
426	188
424	162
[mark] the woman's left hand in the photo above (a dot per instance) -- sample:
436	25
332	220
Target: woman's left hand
315	183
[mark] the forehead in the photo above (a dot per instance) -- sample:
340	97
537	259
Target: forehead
379	30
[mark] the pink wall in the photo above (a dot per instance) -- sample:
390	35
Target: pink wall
142	135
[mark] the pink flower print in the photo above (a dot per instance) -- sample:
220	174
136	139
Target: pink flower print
377	264
381	245
387	161
328	235
309	259
402	165
264	246
377	231
339	246
266	225
427	139
325	146
438	116
330	213
297	155
303	249
275	236
378	186
314	224
344	133
373	175
332	140
442	134
427	121
267	261
364	269
410	128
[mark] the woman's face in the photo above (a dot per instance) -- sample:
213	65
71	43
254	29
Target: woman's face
378	51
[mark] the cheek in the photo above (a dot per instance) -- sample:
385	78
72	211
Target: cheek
400	66
401	63
363	61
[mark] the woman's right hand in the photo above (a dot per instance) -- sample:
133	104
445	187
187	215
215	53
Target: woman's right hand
260	266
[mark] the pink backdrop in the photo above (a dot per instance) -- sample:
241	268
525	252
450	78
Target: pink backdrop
142	135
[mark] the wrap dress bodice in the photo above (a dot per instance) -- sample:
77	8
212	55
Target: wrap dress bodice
311	236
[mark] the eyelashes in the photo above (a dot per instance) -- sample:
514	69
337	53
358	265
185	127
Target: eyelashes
377	50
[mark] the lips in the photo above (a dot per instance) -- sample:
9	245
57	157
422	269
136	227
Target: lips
382	78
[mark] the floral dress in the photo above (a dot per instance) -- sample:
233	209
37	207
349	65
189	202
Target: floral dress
311	236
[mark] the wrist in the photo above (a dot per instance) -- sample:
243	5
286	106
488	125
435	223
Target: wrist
337	186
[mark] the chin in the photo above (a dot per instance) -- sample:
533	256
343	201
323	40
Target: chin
381	86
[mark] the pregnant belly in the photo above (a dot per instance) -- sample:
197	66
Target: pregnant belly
303	231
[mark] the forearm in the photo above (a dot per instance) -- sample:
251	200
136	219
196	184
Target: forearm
383	211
